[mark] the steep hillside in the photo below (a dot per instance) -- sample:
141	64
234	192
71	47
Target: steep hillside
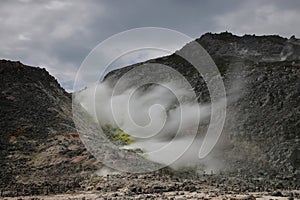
263	121
40	149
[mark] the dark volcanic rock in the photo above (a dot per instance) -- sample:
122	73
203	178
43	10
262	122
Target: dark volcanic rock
40	152
270	48
40	149
263	120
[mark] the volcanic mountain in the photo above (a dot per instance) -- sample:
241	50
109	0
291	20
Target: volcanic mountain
262	123
41	152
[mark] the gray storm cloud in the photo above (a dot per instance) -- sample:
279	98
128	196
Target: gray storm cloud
58	35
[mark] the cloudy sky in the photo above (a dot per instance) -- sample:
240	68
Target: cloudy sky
58	35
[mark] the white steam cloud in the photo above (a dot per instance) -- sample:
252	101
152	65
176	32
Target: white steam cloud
162	124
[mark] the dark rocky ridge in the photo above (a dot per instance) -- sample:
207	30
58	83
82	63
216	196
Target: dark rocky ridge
263	124
270	48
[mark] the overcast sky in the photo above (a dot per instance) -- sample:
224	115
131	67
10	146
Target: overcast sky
58	35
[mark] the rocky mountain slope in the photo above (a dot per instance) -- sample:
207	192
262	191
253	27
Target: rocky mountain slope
40	149
263	122
41	152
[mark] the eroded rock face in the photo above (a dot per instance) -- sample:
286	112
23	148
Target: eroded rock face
40	149
266	126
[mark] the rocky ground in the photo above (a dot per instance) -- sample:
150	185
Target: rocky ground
158	186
